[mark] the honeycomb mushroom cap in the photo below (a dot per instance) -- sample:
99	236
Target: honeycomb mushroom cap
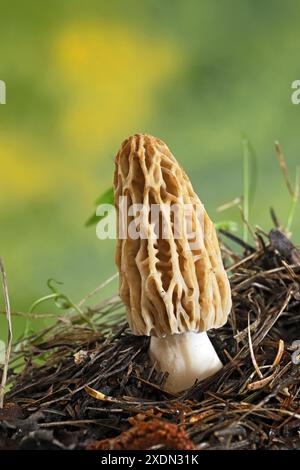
174	285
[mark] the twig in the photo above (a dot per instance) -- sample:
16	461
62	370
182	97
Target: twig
9	337
31	315
274	218
286	412
241	262
237	240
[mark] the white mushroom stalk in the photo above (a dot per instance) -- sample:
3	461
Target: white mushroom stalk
186	357
173	284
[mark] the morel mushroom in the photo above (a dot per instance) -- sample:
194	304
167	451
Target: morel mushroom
172	279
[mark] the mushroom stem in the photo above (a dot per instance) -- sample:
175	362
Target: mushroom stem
186	357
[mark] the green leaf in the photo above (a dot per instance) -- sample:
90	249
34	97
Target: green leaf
105	198
227	225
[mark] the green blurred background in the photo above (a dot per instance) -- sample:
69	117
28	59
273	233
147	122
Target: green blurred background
82	76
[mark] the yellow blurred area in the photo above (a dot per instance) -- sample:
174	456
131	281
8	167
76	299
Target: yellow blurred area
23	178
109	75
105	77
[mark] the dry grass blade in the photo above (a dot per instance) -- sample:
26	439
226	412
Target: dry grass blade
255	365
279	353
261	383
284	169
229	205
98	289
9	336
99	395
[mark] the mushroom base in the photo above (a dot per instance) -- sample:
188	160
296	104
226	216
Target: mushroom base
186	357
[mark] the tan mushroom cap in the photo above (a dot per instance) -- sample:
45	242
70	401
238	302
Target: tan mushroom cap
175	284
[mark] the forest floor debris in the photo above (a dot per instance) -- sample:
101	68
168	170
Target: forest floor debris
94	387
